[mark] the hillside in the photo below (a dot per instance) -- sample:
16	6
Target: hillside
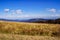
39	20
29	31
36	20
26	37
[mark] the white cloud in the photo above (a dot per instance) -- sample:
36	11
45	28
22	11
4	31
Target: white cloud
13	12
19	11
52	10
6	10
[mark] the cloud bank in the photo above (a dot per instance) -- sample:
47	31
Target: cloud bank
53	10
18	13
6	10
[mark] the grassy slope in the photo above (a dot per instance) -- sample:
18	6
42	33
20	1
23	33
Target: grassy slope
41	31
26	37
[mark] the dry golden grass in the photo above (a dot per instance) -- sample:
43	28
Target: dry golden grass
26	37
29	31
30	28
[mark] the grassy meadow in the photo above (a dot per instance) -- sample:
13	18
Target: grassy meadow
29	31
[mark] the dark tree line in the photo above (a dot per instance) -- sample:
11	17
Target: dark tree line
56	21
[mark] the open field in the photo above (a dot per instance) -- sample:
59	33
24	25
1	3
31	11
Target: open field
29	31
26	37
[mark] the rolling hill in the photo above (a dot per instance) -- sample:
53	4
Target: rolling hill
36	20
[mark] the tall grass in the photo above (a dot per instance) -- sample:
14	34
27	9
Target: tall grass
30	28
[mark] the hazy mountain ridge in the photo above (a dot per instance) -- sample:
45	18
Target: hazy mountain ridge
55	21
36	20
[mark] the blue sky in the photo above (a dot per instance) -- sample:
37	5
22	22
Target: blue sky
24	9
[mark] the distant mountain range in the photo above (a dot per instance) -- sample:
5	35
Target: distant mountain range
28	20
36	20
55	21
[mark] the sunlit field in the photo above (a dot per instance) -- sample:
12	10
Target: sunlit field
26	37
29	31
